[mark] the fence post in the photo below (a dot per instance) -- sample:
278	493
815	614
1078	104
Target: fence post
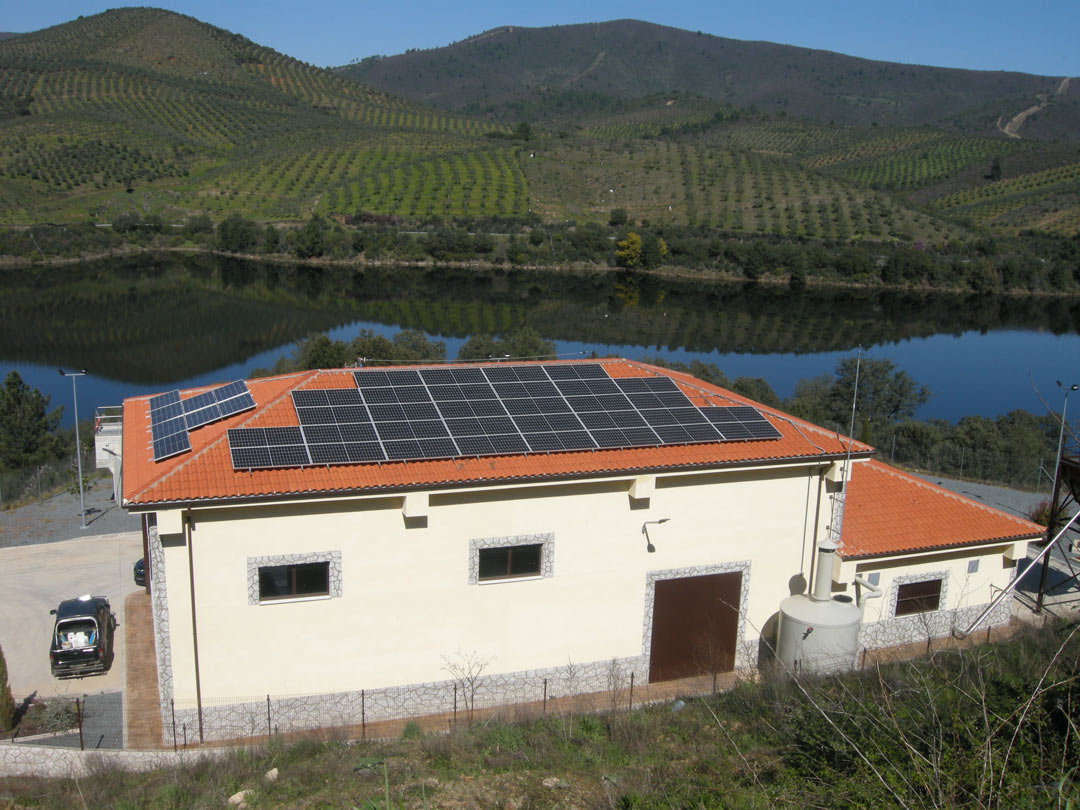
455	704
862	664
545	695
79	714
631	707
172	710
269	730
363	716
184	728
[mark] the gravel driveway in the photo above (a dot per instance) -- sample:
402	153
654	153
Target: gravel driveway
57	518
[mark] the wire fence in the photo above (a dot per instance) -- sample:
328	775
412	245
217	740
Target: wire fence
26	485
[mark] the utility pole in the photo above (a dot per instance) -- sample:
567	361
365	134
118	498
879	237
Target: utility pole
78	447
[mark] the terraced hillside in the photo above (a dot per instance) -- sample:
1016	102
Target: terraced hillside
154	101
149	112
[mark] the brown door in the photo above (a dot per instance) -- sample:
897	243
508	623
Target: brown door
695	623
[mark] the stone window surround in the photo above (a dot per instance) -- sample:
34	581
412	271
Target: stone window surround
255	563
908	579
546	541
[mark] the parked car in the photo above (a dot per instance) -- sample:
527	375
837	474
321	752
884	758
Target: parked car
139	569
82	642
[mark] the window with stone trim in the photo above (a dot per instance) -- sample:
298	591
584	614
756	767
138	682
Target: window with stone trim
505	562
918	597
290	581
285	577
522	556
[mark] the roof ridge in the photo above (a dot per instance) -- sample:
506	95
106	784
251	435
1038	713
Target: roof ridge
303	375
896	472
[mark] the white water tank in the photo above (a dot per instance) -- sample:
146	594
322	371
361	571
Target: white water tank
819	632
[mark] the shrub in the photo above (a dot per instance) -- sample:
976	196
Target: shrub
7	702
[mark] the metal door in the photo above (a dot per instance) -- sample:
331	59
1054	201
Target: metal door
695	625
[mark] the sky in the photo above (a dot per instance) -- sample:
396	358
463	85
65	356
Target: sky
1040	36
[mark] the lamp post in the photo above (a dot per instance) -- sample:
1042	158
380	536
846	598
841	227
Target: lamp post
649	547
1054	498
78	447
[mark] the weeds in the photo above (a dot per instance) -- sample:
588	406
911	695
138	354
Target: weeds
993	726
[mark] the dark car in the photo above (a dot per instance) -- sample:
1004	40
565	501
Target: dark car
139	569
82	642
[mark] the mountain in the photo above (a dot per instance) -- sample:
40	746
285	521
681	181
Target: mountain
508	66
137	112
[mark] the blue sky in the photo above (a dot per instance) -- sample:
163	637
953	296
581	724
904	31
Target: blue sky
1035	37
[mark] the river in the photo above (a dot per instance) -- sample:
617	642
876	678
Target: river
149	324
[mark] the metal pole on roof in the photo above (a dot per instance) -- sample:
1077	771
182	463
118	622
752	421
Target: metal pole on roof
78	448
1054	498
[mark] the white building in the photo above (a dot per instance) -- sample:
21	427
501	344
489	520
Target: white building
652	543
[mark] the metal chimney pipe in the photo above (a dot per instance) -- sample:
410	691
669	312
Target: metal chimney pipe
823	573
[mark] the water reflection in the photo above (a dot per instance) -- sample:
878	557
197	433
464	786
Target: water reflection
150	322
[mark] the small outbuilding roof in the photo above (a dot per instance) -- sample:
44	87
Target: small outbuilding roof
888	511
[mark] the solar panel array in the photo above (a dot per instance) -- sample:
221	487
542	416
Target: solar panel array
440	413
172	417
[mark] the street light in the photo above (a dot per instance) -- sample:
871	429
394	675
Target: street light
78	448
649	547
1054	498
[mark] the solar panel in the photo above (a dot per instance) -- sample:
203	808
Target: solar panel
171	416
171	445
203	416
740	423
162	400
407	414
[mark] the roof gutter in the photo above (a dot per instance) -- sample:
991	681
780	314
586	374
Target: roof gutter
148	506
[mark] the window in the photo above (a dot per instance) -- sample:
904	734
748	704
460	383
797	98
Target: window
503	562
288	581
918	597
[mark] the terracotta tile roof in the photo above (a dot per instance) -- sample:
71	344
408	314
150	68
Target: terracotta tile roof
889	511
206	473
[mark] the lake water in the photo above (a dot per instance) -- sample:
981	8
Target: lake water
148	325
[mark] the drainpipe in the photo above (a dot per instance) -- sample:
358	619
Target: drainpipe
874	591
194	629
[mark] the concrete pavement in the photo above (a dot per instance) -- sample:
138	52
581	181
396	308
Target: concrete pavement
36	578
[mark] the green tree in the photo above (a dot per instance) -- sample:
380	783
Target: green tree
309	239
27	426
413	346
7	702
995	169
236	234
653	251
523	132
628	250
271	239
522	343
617	217
758	389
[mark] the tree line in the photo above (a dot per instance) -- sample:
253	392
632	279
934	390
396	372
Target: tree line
1030	262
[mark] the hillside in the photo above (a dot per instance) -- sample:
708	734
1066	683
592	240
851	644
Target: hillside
147	113
499	69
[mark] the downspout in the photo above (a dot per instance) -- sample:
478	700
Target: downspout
194	628
875	591
146	550
817	519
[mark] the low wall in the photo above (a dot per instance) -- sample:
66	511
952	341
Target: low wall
19	759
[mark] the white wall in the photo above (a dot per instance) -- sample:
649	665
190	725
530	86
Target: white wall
406	602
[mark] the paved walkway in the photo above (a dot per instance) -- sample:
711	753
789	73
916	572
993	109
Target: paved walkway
142	719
